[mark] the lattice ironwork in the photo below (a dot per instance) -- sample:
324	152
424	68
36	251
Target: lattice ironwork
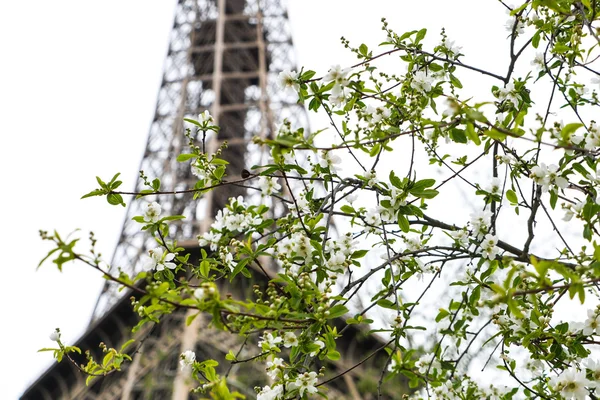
224	56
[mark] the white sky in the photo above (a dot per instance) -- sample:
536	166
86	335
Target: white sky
78	86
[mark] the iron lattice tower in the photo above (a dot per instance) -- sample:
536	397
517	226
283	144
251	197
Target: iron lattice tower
224	56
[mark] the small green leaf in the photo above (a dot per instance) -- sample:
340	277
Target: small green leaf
363	50
96	192
359	254
334	355
420	35
512	196
185	157
115	199
403	223
337	311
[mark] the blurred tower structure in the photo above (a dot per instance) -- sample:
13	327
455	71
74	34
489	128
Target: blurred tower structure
224	56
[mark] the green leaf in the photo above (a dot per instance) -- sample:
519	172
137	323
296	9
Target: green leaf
512	196
192	121
204	268
535	40
337	311
458	135
385	303
403	223
359	254
494	134
455	82
96	192
426	194
441	315
334	355
553	198
394	180
307	75
347	209
422	184
115	199
172	218
363	50
420	35
101	182
190	319
568	130
218	161
472	134
185	157
126	344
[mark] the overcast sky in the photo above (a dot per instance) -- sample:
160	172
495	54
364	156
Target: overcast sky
78	85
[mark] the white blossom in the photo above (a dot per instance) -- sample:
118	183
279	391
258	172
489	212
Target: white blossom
422	82
424	362
319	343
376	114
591	326
227	259
337	74
205	118
507	159
371	178
494	186
187	359
594	367
329	161
572	209
351	198
306	382
373	217
452	107
480	222
510	26
152	212
347	244
488	247
209	238
413	243
270	393
159	260
55	336
509	94
288	80
461	236
392	365
204	292
269	342
452	48
338	96
290	340
397	198
571	384
338	91
274	368
268	185
547	176
538	61
336	261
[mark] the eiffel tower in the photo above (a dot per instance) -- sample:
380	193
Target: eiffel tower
224	56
